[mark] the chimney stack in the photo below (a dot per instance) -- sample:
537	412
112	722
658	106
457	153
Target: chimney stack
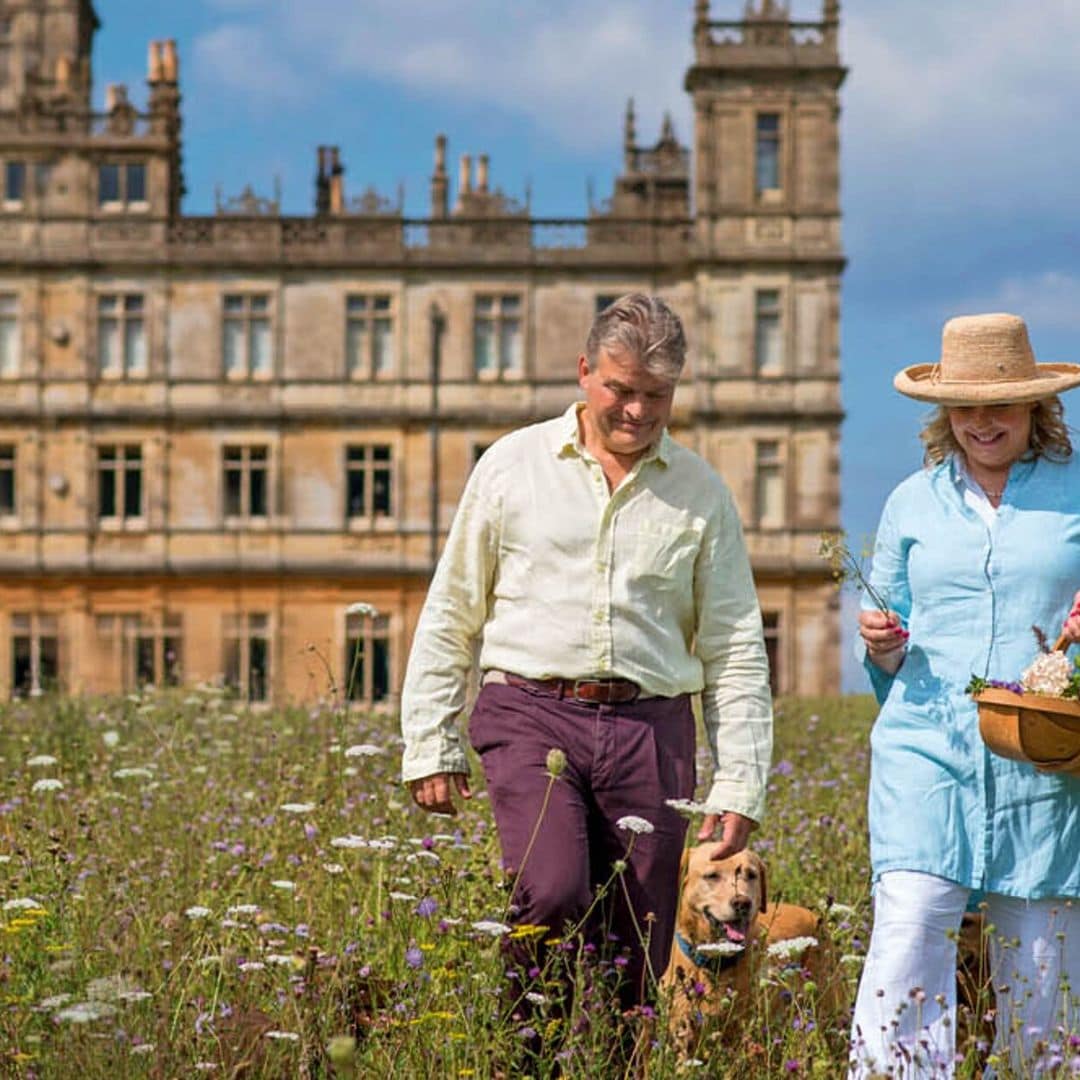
465	176
322	181
439	182
63	73
170	62
154	68
482	169
337	182
115	96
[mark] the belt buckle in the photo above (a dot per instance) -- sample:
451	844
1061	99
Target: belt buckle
575	694
606	687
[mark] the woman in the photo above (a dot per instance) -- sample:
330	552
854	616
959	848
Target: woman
971	552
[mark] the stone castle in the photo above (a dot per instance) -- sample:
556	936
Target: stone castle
231	445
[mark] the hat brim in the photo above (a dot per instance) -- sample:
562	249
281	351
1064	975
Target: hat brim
918	382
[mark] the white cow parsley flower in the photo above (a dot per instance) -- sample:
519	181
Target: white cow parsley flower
634	824
1048	673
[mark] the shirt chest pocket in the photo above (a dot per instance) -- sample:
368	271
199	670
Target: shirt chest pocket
662	555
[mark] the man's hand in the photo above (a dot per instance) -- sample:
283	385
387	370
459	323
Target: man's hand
734	832
435	793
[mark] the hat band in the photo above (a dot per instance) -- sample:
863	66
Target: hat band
935	377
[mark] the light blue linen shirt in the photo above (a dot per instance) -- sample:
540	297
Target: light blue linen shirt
969	591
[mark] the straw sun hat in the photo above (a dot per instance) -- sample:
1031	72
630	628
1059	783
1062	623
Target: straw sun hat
985	360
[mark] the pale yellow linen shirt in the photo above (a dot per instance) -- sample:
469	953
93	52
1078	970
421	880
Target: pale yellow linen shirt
561	578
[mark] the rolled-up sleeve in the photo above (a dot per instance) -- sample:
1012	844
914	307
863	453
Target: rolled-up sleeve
436	678
736	701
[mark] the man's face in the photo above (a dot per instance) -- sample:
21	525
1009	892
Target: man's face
626	406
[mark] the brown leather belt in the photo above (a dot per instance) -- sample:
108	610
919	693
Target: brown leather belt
586	691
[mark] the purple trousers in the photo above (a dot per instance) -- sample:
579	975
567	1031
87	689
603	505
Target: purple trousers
621	760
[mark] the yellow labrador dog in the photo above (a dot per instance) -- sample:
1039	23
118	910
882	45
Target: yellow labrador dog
728	940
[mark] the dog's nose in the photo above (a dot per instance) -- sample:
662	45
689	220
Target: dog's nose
742	904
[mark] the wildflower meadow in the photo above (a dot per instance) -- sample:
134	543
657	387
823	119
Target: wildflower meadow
193	888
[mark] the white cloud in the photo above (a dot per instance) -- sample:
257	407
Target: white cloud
250	62
566	68
961	99
1048	301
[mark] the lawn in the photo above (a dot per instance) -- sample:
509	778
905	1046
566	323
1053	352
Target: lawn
191	888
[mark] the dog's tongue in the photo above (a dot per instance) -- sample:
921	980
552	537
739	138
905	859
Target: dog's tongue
734	935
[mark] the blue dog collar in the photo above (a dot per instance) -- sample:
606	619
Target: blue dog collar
709	961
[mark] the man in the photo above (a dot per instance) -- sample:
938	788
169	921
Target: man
603	568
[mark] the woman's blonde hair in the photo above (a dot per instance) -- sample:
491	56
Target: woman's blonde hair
1049	435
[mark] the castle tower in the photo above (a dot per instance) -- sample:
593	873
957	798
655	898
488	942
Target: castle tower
63	154
766	104
766	189
45	48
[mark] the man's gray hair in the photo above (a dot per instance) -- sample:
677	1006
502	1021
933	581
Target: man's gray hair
646	328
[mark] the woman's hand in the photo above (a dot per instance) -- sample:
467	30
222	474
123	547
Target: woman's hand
885	638
1071	627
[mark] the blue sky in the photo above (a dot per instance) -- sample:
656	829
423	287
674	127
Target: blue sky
961	164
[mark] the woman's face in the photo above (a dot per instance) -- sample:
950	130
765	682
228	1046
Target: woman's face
992	436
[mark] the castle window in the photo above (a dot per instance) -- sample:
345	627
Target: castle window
120	488
121	335
366	670
768	486
8	503
771	625
369	336
768	340
122	184
368	481
246	475
35	654
246	660
147	650
247	351
498	344
767	153
14	183
10	344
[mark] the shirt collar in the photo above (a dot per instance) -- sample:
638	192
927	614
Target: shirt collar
962	477
568	439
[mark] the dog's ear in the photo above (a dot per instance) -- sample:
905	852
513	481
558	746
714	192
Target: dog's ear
684	864
763	878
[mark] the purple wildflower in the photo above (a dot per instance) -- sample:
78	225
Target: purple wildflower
427	907
414	958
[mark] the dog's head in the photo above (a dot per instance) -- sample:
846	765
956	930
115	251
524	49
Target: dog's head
720	898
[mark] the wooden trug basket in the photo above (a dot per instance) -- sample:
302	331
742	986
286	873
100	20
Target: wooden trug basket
1036	728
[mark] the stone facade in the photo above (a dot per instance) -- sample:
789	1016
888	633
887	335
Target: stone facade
231	445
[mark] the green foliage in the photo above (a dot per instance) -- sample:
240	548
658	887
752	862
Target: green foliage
204	890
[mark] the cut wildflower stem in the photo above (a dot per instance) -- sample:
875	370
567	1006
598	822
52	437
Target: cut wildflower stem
846	566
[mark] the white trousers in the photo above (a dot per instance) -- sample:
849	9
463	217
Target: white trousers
905	1012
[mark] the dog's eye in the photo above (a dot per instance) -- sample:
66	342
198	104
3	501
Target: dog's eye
712	876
